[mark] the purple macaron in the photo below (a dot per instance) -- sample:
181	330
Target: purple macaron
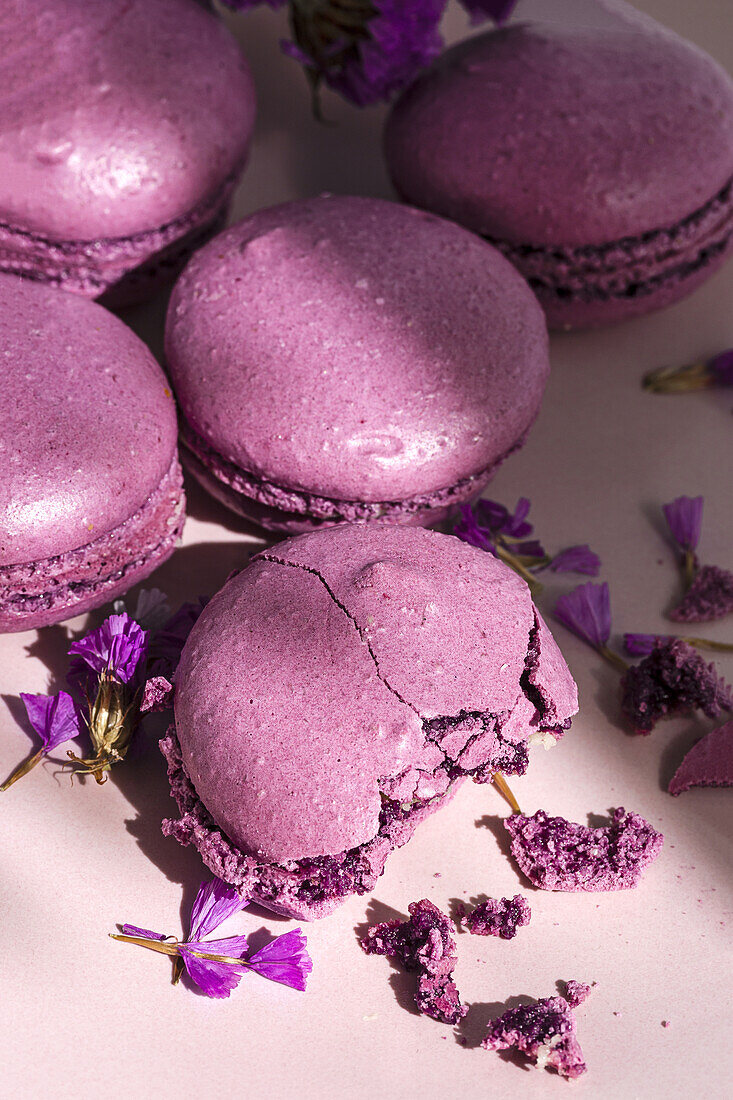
123	130
600	161
352	359
337	690
91	497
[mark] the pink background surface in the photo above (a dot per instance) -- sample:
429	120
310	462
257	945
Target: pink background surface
86	1017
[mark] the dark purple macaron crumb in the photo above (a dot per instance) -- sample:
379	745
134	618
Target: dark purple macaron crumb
556	854
576	992
157	695
544	1031
499	917
709	597
674	677
425	943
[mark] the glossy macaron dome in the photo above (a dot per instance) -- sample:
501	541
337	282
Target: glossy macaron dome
599	160
333	693
123	129
345	358
91	496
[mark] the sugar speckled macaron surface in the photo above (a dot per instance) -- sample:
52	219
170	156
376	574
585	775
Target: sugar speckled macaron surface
345	358
91	494
599	160
123	129
333	693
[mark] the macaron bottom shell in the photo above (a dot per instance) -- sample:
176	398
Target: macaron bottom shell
121	270
292	511
37	594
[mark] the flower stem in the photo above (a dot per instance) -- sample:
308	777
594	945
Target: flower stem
706	643
514	563
23	769
613	658
152	945
689	567
504	789
695	376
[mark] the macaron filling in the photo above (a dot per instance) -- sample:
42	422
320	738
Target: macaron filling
275	505
632	267
474	745
94	266
84	577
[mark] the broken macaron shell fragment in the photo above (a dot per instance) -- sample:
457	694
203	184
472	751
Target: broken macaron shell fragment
333	694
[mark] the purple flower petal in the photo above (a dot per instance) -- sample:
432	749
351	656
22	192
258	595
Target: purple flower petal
53	717
142	933
556	854
641	645
587	612
673	678
235	947
709	763
498	10
544	1031
118	646
576	559
531	549
684	519
469	530
709	597
213	978
721	368
501	521
214	902
285	960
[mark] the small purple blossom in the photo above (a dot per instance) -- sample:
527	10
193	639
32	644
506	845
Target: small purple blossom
673	678
495	917
217	966
53	717
470	530
544	1031
533	548
500	520
720	368
556	854
425	943
498	10
709	597
118	648
576	559
684	519
586	610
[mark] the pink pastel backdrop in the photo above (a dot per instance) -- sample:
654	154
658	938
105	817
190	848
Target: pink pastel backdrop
87	1017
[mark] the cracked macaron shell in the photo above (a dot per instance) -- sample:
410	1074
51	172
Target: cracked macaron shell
540	135
89	424
116	118
356	349
303	687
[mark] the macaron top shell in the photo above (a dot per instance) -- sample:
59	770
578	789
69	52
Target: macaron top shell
88	427
116	118
303	688
544	135
356	349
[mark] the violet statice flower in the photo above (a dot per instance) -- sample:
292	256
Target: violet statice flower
118	648
684	519
586	610
673	678
709	763
217	966
556	854
498	10
501	521
470	530
424	943
545	1031
641	645
54	718
709	597
495	917
576	559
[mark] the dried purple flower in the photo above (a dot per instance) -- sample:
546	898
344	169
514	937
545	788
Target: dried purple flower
673	678
586	610
470	530
576	559
709	763
641	645
498	10
501	521
424	943
709	597
684	519
217	966
54	718
544	1031
117	648
576	992
556	854
496	917
717	371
